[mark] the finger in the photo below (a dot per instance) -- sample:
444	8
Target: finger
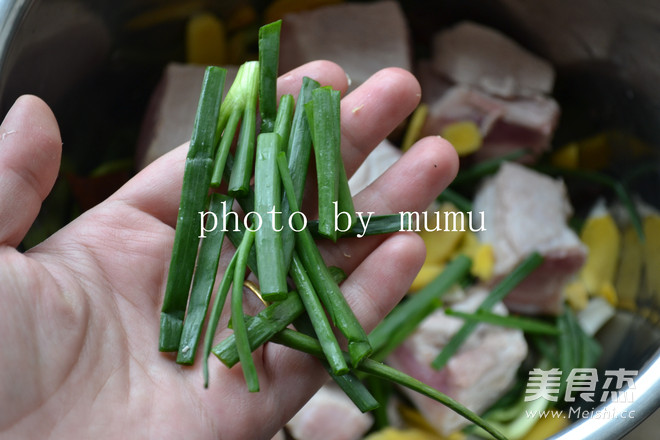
409	185
30	150
326	73
394	263
157	189
373	110
414	181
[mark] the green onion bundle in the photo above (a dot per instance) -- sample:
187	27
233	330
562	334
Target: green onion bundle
265	177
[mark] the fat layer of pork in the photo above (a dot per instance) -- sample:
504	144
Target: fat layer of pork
476	55
362	38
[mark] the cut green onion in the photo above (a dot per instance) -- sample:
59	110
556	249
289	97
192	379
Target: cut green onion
338	274
317	116
318	318
576	348
216	311
202	285
236	235
346	215
324	285
246	202
269	52
261	328
349	382
284	119
223	149
237	95
345	207
272	320
323	115
375	224
268	241
299	150
356	391
242	169
381	391
528	325
196	181
237	318
485	168
514	278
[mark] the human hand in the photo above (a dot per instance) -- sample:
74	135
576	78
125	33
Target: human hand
80	312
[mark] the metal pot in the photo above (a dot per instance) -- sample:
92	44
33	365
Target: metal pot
96	62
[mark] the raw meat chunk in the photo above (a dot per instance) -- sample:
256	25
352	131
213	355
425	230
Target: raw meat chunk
361	37
526	211
480	372
472	54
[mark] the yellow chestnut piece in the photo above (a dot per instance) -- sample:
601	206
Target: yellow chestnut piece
469	245
567	156
601	235
206	40
629	276
576	295
426	274
652	253
440	242
415	126
464	136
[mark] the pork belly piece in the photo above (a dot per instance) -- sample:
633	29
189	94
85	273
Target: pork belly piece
475	55
329	415
480	372
361	37
526	211
170	114
505	125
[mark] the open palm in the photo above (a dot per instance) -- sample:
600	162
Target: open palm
79	314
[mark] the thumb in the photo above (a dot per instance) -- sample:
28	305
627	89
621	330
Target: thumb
30	150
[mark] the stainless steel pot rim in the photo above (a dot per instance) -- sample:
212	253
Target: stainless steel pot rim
647	400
